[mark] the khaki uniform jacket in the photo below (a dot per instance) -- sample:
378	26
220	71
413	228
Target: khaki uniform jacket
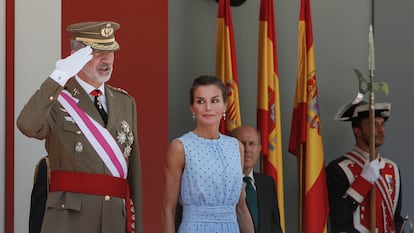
43	117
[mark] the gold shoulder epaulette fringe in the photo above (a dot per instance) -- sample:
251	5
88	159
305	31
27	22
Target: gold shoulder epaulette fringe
118	89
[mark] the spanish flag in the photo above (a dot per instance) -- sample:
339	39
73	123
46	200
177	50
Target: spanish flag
226	66
305	138
268	107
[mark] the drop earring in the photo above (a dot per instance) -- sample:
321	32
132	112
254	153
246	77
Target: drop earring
224	115
193	117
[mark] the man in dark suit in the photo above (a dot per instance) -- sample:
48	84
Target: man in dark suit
90	133
265	204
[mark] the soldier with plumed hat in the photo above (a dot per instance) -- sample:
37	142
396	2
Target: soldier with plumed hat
90	133
351	176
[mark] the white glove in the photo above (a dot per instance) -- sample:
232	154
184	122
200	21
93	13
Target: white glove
371	171
71	65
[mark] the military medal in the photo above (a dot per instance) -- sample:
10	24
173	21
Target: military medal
389	180
126	137
79	147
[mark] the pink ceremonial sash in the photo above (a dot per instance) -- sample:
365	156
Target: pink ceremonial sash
99	137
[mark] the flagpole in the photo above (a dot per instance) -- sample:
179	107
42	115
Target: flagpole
371	67
301	194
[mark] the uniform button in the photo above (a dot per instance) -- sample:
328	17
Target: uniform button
51	97
63	206
78	132
107	198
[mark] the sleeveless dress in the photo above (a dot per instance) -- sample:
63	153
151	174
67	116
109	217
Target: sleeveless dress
210	185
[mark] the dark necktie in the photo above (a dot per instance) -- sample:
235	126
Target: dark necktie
96	93
251	200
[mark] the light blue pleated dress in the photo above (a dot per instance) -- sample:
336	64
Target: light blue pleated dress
210	184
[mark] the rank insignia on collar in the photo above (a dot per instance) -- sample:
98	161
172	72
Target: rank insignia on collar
75	91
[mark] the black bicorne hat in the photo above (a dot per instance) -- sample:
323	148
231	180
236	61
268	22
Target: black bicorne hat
351	112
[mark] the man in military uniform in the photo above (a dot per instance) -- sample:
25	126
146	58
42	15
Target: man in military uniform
351	177
90	132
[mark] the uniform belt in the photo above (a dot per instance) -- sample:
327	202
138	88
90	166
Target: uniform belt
95	184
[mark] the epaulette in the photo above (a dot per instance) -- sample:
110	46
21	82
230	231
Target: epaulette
118	89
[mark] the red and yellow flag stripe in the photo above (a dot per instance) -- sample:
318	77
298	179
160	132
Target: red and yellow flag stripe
226	66
268	107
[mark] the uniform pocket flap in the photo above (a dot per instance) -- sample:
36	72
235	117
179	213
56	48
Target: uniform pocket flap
64	200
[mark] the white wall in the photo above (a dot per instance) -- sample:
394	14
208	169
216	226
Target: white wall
395	63
37	47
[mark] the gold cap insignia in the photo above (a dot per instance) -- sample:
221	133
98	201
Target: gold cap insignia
98	35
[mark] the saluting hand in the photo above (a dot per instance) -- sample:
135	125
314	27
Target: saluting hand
71	65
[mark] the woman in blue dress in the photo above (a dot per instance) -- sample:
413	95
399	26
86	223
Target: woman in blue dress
203	170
